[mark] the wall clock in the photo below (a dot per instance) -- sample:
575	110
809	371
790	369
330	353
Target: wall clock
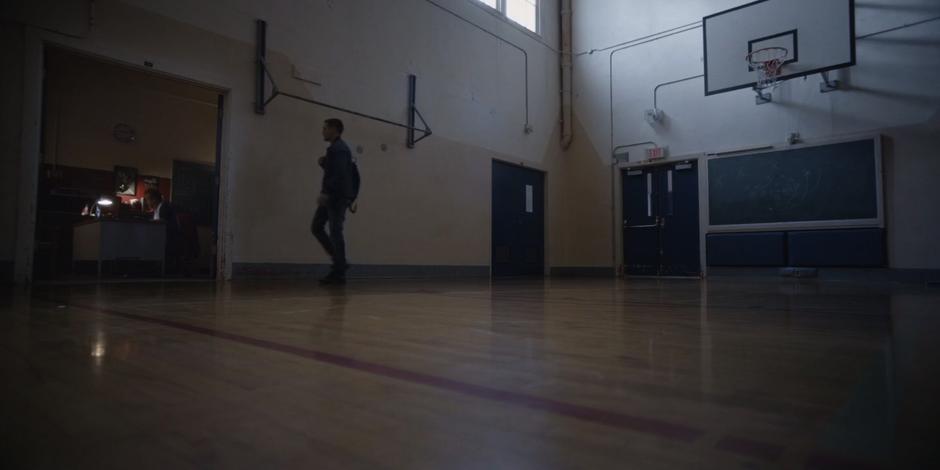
124	133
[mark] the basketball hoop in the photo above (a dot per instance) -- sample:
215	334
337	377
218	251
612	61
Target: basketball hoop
768	63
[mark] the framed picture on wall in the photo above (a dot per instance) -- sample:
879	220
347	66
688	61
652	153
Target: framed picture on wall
125	181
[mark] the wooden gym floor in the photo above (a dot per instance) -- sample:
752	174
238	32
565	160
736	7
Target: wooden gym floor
586	374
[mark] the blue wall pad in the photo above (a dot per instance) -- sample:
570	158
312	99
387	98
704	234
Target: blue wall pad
837	248
746	249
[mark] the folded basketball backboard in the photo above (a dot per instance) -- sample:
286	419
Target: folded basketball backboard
818	36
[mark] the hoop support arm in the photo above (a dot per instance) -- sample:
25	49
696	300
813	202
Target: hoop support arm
262	100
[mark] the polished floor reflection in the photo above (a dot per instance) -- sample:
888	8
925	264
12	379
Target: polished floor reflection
470	375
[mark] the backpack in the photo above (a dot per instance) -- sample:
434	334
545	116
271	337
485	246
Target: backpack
355	182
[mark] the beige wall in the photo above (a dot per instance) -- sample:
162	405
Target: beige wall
85	99
427	206
582	219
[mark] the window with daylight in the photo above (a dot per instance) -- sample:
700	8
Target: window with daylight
523	12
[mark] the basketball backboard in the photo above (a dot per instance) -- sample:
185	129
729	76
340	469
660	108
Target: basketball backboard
819	35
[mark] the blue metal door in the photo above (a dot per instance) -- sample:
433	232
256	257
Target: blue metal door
679	221
640	222
518	221
661	220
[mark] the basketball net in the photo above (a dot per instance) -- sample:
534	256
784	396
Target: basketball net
768	63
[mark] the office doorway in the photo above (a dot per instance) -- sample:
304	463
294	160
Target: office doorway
128	183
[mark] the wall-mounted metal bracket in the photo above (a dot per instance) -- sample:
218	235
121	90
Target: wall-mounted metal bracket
261	52
828	86
763	97
412	113
262	100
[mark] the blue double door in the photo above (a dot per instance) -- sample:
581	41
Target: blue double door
661	220
518	221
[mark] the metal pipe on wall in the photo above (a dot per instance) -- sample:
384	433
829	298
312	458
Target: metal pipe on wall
631	41
673	82
528	128
899	27
567	109
611	72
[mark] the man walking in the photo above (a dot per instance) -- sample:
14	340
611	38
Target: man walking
335	195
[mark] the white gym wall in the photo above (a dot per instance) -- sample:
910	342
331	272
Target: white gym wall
892	90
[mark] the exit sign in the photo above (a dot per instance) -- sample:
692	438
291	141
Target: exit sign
656	153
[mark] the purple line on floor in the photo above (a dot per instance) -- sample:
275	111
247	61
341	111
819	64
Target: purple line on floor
645	425
750	448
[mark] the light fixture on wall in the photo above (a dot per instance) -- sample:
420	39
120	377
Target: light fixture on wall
124	133
654	116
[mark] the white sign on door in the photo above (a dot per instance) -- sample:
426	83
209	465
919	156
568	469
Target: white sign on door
528	198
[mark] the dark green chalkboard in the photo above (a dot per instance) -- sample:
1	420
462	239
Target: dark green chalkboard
828	182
